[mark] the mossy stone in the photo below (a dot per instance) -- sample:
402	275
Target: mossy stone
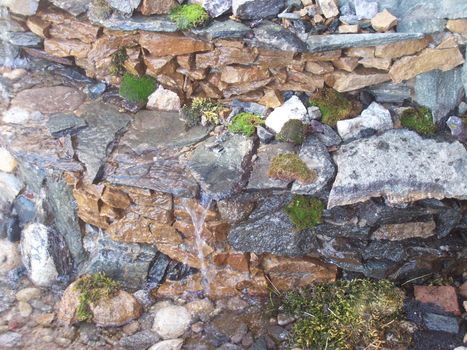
202	108
419	120
189	16
289	167
118	61
293	131
245	123
305	212
137	89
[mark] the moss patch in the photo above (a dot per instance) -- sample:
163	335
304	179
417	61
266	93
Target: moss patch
118	60
293	131
93	289
245	123
137	89
346	315
189	16
289	167
334	106
419	120
305	212
202	109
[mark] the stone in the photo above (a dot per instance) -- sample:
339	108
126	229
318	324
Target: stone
228	29
45	320
457	127
171	321
325	134
76	7
124	6
390	92
143	23
376	62
346	63
276	37
19	115
357	80
457	26
319	67
10	186
61	124
22	7
7	161
10	339
157	7
443	296
314	113
383	21
27	294
427	60
397	232
139	340
24	309
316	157
160	44
201	308
9	257
349	28
239	74
172	344
271	99
328	8
365	9
293	108
256	9
44	254
26	39
220	167
404	168
163	99
402	48
215	8
441	323
375	117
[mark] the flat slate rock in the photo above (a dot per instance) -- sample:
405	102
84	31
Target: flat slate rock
401	166
223	29
276	37
61	124
144	23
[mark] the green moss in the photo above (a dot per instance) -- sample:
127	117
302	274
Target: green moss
293	131
305	212
202	110
93	289
289	167
346	315
118	60
419	120
334	106
189	16
137	89
245	123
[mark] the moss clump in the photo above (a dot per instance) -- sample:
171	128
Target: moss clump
202	110
137	89
189	16
345	315
293	131
289	167
93	289
334	106
118	60
419	120
245	123
305	212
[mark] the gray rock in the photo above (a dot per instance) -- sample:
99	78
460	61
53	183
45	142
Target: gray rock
25	208
94	143
390	92
61	124
439	91
318	43
220	166
314	113
76	7
22	7
264	135
365	9
464	75
442	323
401	166
463	107
10	186
140	340
124	6
144	23
458	127
95	90
325	134
259	179
257	9
223	29
316	157
10	339
8	55
250	107
158	270
260	344
276	37
24	39
216	8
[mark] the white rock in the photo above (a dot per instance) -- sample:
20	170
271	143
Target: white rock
27	294
21	7
18	115
7	162
293	108
171	322
200	308
15	74
164	100
314	113
375	117
9	256
35	254
10	186
172	344
329	8
125	6
215	8
366	9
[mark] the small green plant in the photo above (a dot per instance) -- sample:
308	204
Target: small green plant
293	131
189	16
334	106
289	167
346	315
305	212
137	89
419	120
202	110
245	123
93	289
118	60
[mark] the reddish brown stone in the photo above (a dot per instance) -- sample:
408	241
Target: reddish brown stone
308	81
319	67
159	44
115	197
241	89
274	59
66	48
239	74
443	296
157	7
237	261
38	26
73	29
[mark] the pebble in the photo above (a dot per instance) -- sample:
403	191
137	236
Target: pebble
131	328
284	320
10	339
45	319
27	294
236	304
63	341
171	321
15	74
25	310
172	344
247	340
200	308
197	327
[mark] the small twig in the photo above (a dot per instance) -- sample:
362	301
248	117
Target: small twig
416	278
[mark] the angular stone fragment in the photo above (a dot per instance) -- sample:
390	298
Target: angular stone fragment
346	63
223	29
293	108
328	8
457	26
276	37
256	9
398	232
157	7
401	166
383	21
159	44
22	7
376	62
357	80
443	296
124	6
66	48
240	74
143	23
215	8
402	48
38	26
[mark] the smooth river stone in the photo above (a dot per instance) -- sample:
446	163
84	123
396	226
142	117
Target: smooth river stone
401	166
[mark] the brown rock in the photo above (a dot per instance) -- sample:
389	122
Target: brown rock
427	60
133	228
74	30
274	59
66	48
356	80
133	64
360	52
307	81
239	74
237	261
319	67
402	48
346	63
443	296
328	8
38	26
463	290
398	232
321	56
348	28
383	21
457	26
241	89
376	62
159	44
115	198
155	65
44	320
157	7
271	99
448	42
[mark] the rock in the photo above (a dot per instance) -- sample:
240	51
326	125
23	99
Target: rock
140	340
293	108
157	7
396	232
375	117
7	161
442	323
163	99
24	309
316	157
124	6
76	7
27	294
443	296
220	168
357	80
349	28
172	344
404	168
383	21
18	115
171	321
22	7
239	74
215	8
463	108
9	257
390	92
10	339
325	134
160	44
457	127
284	319
95	90
10	186
328	8
147	24
45	320
457	26
375	62
256	9
223	29
314	113
402	48
200	309
429	59
440	91
115	311
264	135
26	39
61	124
276	37
366	9
45	254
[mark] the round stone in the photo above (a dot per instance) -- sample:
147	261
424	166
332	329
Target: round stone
171	322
